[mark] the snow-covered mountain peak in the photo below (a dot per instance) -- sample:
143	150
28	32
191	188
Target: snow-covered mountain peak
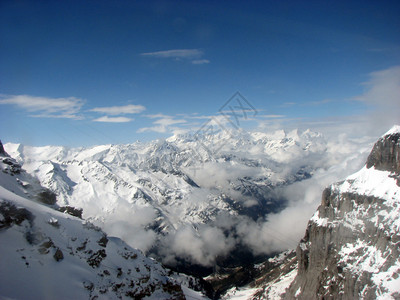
395	129
385	154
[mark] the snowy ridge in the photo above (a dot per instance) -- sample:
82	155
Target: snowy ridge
48	254
51	248
371	182
395	129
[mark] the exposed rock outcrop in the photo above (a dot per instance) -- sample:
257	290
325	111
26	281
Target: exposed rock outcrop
351	246
385	155
2	151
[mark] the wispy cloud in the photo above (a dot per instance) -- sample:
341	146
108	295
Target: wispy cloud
383	89
271	116
288	104
308	103
163	124
200	61
116	112
120	110
169	121
316	103
176	53
107	119
46	107
194	55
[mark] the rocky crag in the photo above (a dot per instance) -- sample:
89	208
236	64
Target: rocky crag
351	246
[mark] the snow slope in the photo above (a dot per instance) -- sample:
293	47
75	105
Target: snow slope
46	254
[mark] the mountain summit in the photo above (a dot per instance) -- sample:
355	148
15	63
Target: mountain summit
385	155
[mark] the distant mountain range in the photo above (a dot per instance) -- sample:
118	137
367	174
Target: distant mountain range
183	198
191	203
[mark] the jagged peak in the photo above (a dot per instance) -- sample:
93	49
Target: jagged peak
395	129
385	154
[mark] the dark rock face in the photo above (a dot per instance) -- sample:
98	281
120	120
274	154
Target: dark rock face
322	271
47	197
76	212
352	240
13	167
2	151
10	215
385	155
58	255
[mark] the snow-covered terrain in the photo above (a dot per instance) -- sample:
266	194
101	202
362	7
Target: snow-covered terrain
195	197
198	209
47	254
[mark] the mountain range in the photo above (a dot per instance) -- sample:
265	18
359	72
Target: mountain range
206	205
181	194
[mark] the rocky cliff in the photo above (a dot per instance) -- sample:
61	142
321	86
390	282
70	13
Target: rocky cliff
351	246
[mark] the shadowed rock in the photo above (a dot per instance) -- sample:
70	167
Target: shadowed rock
385	155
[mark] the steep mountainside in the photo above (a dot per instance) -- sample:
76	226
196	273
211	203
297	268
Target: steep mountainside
47	254
351	246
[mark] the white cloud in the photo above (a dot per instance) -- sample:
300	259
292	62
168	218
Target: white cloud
382	97
127	219
169	121
271	116
158	129
200	61
163	124
176	53
46	107
383	89
107	119
156	116
120	110
200	246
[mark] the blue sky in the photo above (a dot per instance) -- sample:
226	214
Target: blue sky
80	73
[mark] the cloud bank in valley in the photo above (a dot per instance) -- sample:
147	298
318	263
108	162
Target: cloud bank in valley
205	243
